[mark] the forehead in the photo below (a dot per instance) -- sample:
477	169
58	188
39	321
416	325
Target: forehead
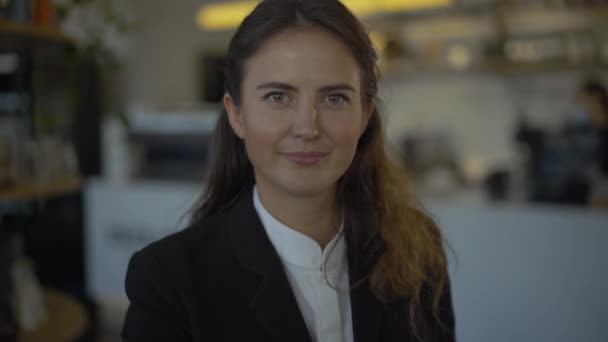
307	55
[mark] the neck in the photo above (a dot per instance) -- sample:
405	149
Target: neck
311	215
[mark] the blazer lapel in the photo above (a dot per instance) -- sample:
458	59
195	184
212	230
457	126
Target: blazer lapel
365	307
274	304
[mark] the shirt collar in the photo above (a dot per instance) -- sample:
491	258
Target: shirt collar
296	248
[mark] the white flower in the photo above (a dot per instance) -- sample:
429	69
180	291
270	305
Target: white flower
90	25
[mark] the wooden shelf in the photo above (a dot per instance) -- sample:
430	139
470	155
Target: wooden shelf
24	192
29	30
503	66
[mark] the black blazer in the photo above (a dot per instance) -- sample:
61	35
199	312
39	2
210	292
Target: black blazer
222	280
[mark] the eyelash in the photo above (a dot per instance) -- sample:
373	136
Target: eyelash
343	97
271	94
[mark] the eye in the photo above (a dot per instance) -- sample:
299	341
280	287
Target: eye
337	99
276	97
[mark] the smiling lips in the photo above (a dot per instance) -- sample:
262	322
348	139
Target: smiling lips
305	158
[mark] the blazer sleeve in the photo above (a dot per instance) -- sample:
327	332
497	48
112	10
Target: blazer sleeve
154	312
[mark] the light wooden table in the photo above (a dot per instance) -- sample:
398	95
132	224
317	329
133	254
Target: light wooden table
599	202
67	320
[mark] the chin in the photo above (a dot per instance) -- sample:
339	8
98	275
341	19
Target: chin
303	188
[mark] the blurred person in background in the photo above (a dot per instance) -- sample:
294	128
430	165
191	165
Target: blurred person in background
593	99
570	166
306	230
584	140
589	136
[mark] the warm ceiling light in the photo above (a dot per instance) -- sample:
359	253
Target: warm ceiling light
361	7
227	15
378	41
410	5
224	16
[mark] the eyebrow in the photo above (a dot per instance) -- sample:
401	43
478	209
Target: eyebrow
276	85
339	86
289	87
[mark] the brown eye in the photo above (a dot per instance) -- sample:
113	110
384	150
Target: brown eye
337	99
276	97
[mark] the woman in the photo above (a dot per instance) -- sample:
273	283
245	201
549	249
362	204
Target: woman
305	231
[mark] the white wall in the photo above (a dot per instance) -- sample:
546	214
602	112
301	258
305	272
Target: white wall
472	108
163	68
478	110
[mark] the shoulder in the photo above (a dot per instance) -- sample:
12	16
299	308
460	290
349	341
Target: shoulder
174	252
168	280
159	285
205	246
164	269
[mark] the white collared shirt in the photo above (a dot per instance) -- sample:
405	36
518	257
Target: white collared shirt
326	311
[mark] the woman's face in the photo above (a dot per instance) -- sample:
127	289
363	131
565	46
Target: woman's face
301	112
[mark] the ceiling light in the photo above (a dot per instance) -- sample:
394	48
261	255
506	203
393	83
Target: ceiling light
228	15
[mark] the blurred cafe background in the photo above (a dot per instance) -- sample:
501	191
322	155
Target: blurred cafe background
498	109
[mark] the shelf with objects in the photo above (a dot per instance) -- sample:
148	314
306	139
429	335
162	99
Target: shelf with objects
502	38
32	191
41	224
34	32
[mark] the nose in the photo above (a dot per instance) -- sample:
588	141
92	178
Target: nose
305	125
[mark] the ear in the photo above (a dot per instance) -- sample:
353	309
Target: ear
234	117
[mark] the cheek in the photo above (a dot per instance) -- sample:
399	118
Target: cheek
345	130
262	132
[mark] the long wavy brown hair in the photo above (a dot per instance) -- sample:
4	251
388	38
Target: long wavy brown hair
384	226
